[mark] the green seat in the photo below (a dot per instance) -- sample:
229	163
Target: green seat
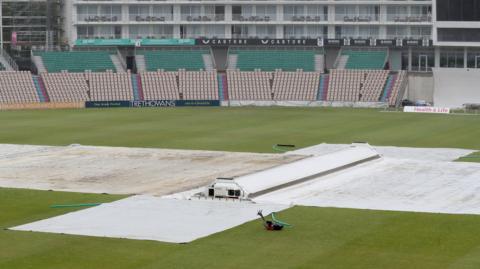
77	61
269	60
172	60
365	59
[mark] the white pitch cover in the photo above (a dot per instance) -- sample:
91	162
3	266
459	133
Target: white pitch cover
153	218
270	178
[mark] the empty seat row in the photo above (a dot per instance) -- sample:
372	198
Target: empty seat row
76	61
198	85
109	86
17	87
278	85
173	60
248	85
186	85
269	60
399	81
296	86
66	87
372	60
356	85
160	85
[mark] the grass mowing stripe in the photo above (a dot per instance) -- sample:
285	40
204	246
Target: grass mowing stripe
473	157
251	129
320	238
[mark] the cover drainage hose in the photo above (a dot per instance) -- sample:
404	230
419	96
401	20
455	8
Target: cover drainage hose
282	147
75	205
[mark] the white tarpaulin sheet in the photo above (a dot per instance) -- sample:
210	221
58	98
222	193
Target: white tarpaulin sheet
392	184
153	218
280	175
421	154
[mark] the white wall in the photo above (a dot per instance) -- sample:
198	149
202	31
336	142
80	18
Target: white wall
420	86
69	14
455	87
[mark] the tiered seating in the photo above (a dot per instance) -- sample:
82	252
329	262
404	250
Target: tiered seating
173	60
17	87
296	86
345	85
392	99
249	85
365	59
66	87
356	85
76	61
198	85
373	85
270	60
160	85
110	86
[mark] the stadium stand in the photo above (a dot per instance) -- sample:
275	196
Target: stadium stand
373	85
295	86
76	61
173	60
270	60
356	85
356	59
323	87
400	80
17	87
198	85
40	87
160	85
254	85
109	86
345	85
66	87
222	87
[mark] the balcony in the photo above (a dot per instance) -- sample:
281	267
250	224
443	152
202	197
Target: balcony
303	18
202	17
253	18
357	17
408	18
99	18
148	18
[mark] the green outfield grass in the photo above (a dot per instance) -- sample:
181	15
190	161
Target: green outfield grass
321	238
236	129
474	157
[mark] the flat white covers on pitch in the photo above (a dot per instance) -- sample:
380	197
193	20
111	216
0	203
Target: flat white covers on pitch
292	172
392	184
153	218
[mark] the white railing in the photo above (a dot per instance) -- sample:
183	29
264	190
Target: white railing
121	59
408	18
9	59
351	17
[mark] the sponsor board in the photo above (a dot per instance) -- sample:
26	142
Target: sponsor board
427	109
49	105
299	42
151	103
313	42
135	42
101	104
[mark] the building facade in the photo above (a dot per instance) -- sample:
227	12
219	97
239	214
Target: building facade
26	24
383	19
